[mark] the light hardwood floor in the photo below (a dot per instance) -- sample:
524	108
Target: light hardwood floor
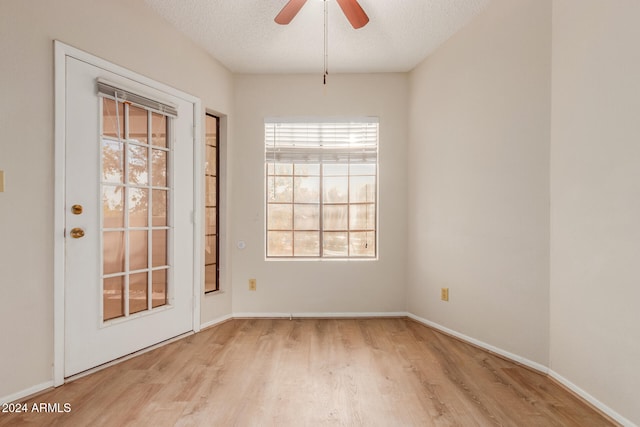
314	372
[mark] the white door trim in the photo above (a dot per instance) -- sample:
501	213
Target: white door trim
61	51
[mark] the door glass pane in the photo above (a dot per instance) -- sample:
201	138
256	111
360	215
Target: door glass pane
159	209
112	301
138	167
131	169
138	203
112	169
138	124
159	168
113	252
110	121
159	286
159	130
138	292
138	250
159	248
113	206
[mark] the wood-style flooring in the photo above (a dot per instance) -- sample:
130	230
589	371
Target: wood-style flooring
313	372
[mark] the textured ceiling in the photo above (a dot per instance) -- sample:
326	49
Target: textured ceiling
244	37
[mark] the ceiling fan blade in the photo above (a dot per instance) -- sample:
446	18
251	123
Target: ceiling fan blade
354	13
289	11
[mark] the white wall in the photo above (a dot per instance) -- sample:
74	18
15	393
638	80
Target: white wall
595	200
479	180
124	32
318	286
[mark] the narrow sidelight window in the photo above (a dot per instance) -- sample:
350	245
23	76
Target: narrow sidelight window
211	203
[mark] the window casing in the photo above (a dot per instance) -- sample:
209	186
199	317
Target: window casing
321	189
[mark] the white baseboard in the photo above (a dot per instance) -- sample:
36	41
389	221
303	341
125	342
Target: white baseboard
533	365
216	321
592	400
26	392
519	359
322	315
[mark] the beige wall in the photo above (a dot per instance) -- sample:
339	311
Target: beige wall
479	180
318	286
123	32
595	200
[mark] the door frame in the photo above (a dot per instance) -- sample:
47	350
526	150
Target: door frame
61	52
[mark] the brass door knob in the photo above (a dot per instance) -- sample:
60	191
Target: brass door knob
77	233
76	209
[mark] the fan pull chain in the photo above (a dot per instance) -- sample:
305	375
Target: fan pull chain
326	44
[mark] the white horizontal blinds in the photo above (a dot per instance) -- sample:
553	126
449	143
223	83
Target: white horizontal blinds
309	142
112	91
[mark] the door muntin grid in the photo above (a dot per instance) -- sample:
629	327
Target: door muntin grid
135	220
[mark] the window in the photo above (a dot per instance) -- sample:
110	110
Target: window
321	189
211	240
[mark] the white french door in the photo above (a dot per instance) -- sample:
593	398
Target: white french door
129	202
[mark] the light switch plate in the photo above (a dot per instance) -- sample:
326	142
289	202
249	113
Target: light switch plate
1	181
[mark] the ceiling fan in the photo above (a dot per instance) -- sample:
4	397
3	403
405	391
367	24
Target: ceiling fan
351	8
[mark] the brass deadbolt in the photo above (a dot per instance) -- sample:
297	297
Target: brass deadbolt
77	233
76	209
